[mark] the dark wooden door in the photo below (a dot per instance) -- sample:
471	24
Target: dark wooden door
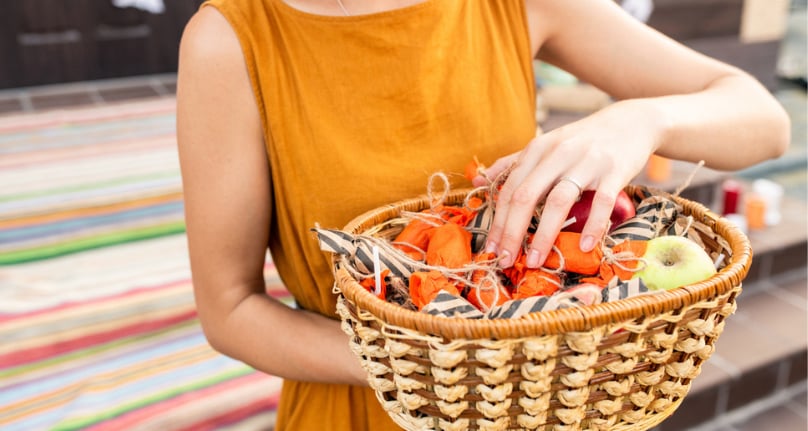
55	41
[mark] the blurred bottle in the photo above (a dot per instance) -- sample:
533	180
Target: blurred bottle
732	191
755	211
658	169
772	194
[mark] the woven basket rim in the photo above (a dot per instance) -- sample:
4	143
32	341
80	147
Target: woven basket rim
552	322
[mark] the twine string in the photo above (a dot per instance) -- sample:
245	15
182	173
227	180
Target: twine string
561	263
414	248
481	169
689	224
474	192
459	275
436	201
543	277
689	179
487	282
496	184
619	259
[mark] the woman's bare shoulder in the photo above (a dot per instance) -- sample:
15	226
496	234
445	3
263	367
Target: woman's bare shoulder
215	101
208	36
211	57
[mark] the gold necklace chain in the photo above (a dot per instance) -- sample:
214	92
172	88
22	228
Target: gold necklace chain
342	6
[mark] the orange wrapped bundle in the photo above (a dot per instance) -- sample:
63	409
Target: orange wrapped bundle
486	291
516	271
461	215
449	246
414	239
574	260
620	261
424	287
531	281
537	282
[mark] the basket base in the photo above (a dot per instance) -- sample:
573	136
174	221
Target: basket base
409	423
650	421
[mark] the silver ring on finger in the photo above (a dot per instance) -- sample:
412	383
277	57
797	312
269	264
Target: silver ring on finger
573	182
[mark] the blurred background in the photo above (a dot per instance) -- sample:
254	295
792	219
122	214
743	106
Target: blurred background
97	322
50	42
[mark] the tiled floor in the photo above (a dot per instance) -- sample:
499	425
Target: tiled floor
784	412
86	93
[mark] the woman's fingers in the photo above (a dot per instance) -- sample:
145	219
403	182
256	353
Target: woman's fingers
556	208
601	152
516	205
534	175
556	180
516	202
600	213
520	165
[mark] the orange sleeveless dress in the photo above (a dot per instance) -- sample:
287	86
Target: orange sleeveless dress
359	111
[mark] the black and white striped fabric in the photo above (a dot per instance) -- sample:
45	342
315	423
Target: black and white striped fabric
655	215
358	249
626	289
520	307
479	227
448	305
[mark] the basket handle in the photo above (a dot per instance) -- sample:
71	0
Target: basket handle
710	218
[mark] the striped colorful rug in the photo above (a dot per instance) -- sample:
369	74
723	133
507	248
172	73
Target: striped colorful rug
97	323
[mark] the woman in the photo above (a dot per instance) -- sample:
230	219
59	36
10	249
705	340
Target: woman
297	112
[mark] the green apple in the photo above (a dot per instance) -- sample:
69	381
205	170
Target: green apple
672	261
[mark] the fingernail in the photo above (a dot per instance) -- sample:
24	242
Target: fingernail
587	243
490	247
505	259
533	258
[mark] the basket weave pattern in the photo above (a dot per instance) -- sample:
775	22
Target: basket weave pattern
625	365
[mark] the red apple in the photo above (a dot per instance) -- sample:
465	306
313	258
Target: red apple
623	210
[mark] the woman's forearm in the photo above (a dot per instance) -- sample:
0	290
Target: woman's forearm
282	341
732	124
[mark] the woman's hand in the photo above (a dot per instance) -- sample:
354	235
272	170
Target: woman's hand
674	102
602	152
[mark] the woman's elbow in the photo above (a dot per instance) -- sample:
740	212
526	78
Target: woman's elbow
209	330
214	331
779	131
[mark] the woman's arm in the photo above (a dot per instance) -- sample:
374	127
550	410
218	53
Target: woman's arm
227	189
672	101
706	106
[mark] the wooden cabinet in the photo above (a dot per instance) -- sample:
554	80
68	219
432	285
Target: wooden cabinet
55	41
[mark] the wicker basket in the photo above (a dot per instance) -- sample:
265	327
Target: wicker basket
624	365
